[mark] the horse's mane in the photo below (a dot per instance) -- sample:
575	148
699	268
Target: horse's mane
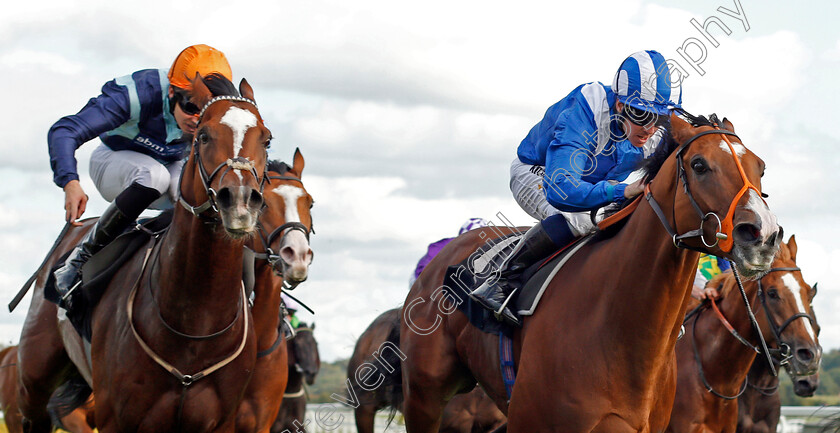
724	282
668	145
278	166
219	85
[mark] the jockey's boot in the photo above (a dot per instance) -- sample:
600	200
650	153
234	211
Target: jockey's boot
535	245
113	222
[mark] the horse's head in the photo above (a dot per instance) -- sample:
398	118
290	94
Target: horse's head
228	158
287	221
718	191
789	317
306	356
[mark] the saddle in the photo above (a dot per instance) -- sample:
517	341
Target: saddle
485	264
101	267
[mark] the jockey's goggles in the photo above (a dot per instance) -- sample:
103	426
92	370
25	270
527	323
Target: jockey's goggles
187	107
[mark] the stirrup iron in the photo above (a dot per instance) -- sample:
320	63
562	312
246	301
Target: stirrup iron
498	313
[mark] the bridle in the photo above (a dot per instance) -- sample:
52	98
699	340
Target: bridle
235	163
267	239
723	233
784	353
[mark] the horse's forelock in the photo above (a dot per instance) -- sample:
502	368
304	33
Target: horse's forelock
219	85
278	166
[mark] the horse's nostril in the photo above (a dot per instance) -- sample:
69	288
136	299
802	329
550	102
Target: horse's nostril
287	254
255	199
779	236
747	233
805	355
224	197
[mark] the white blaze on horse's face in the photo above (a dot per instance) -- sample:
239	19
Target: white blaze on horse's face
294	250
739	148
769	225
239	121
793	286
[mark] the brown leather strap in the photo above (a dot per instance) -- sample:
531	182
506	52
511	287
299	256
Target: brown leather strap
185	379
621	214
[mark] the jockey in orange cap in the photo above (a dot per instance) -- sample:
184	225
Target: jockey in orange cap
145	121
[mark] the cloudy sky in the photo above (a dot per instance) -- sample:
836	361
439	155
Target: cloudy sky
408	115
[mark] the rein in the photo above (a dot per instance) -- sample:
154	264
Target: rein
699	363
783	352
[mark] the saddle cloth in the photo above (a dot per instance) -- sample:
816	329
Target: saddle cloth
485	263
101	267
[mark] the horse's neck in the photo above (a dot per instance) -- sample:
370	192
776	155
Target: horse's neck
760	374
199	269
715	343
650	277
656	275
266	309
295	382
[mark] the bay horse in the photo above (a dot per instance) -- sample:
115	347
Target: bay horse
78	421
598	353
283	258
760	406
473	412
719	347
173	346
304	364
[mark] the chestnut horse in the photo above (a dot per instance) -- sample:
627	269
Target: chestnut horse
715	355
173	345
79	421
304	364
284	228
473	412
598	353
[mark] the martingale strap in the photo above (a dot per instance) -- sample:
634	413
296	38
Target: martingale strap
185	379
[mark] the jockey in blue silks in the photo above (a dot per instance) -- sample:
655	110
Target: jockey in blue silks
575	159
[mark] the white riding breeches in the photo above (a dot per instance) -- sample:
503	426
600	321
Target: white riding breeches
526	184
113	172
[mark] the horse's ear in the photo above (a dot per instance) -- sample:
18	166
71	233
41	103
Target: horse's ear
727	125
297	163
200	94
791	244
680	129
245	90
313	326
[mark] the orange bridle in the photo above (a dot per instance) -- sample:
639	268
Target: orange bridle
723	237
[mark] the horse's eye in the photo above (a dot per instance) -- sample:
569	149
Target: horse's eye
699	165
773	294
203	137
